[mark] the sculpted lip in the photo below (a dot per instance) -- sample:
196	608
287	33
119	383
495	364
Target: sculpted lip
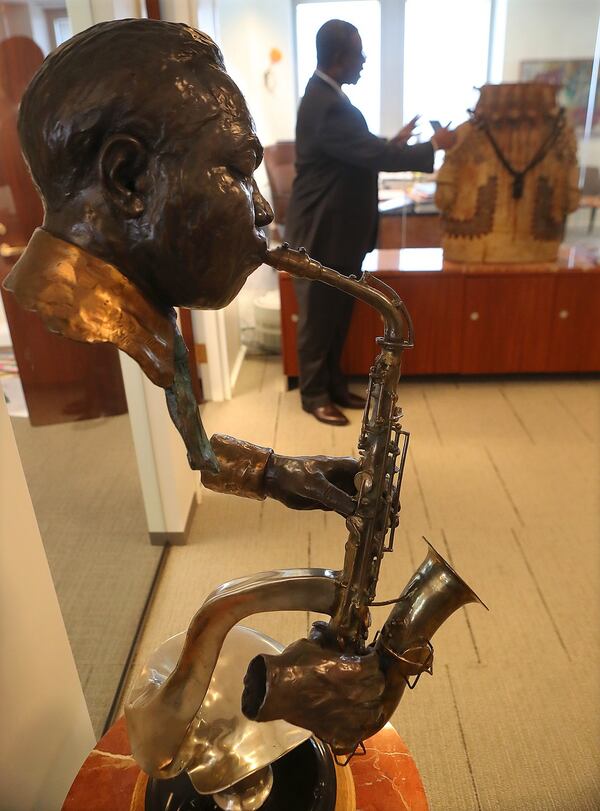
261	243
257	256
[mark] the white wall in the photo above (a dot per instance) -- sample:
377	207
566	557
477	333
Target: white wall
235	350
168	484
247	30
83	13
39	26
551	29
46	729
548	29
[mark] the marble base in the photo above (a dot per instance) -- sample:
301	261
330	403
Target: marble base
385	779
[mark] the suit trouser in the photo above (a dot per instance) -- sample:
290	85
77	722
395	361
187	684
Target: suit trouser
324	315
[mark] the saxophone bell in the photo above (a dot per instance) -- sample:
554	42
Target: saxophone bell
431	596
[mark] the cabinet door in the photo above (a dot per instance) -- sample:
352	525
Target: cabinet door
289	325
506	323
360	348
435	304
409	231
575	333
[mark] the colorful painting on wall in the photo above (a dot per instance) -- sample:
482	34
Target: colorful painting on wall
574	77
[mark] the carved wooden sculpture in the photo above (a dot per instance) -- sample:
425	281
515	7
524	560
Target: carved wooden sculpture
507	186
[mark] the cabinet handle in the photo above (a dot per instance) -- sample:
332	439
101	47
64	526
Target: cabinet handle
563	314
474	316
294	318
10	251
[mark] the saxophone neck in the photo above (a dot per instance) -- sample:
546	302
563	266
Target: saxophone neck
367	288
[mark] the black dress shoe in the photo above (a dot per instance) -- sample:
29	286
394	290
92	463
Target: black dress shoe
328	414
350	400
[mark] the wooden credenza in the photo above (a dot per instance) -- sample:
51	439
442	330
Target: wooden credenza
470	320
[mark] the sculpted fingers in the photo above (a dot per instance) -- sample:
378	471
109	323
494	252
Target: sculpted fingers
344	473
331	497
305	483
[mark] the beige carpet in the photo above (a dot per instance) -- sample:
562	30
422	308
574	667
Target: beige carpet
503	477
85	489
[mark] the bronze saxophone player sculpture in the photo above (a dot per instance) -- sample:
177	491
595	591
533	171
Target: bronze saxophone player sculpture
150	203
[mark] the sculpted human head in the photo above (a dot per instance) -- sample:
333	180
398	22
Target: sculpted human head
143	151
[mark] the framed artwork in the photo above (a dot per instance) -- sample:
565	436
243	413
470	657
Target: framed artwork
574	77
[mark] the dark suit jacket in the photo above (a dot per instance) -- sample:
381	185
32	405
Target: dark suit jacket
333	205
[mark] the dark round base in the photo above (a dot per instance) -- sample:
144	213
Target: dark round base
303	780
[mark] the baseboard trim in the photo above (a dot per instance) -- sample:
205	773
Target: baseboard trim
119	692
176	538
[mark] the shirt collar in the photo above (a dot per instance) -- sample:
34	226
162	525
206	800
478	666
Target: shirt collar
331	82
84	298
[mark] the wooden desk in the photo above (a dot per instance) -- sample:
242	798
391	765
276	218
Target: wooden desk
409	231
475	319
386	779
405	223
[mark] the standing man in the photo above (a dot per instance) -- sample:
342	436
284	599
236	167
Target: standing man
333	209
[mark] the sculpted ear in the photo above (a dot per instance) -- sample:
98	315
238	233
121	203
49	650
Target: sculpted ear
122	163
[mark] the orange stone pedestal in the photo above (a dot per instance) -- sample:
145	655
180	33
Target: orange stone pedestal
385	779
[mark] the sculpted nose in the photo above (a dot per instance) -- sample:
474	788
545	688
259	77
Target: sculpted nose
263	213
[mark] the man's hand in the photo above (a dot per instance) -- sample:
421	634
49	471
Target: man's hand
406	132
444	138
312	482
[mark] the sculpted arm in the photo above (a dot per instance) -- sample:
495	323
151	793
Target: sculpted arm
299	482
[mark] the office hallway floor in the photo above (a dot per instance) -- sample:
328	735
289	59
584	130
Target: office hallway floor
502	476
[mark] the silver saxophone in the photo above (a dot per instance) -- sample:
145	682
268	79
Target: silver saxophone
334	683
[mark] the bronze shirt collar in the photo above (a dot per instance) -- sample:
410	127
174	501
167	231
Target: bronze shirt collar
84	298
